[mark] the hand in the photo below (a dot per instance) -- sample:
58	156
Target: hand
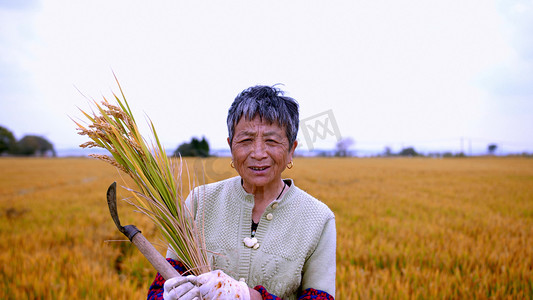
218	285
183	288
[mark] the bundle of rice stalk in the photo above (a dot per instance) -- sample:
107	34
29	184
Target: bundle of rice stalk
158	178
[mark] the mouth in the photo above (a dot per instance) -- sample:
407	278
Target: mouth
258	168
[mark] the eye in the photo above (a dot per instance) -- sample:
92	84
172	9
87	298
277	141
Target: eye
272	143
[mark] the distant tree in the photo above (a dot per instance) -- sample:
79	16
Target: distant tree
409	151
342	147
194	148
34	145
7	140
447	154
388	151
435	154
323	153
492	148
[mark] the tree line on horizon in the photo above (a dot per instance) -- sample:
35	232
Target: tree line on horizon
33	145
342	149
29	145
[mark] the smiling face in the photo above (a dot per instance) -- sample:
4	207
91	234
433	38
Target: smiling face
260	153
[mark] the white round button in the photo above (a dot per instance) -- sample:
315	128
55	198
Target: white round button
274	205
269	217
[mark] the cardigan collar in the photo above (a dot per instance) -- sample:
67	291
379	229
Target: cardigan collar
249	198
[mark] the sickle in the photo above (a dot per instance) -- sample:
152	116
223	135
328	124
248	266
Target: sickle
136	237
112	203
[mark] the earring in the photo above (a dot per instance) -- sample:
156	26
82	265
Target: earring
232	165
290	165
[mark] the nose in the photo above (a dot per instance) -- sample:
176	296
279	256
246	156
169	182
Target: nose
259	150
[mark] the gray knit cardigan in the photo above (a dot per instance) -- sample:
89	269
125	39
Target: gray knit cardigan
296	235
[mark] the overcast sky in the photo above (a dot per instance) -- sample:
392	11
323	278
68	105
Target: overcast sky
391	73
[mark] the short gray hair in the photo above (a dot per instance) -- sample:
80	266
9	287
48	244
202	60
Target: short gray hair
269	103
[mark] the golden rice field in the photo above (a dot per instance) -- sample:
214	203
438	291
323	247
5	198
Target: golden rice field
407	228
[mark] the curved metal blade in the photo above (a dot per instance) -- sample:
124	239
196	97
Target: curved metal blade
136	237
112	203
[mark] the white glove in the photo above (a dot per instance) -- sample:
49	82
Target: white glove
218	285
182	287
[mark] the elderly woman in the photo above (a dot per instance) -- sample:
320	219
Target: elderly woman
269	239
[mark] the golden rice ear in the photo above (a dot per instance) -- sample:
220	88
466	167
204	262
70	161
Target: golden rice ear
157	177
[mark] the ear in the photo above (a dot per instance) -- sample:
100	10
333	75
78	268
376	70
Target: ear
229	143
291	153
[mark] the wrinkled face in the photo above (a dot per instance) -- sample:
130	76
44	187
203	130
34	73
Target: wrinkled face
260	152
